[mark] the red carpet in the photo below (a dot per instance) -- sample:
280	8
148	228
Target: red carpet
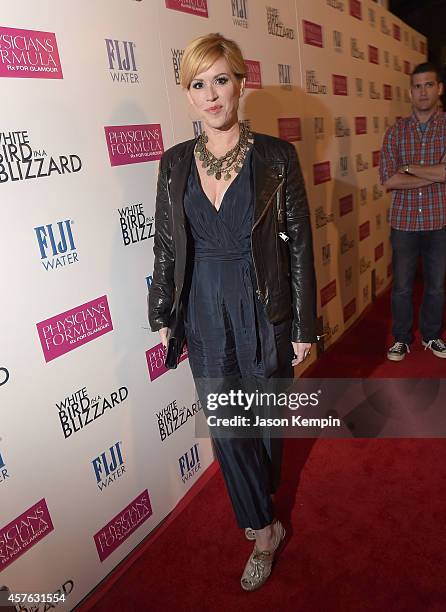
366	519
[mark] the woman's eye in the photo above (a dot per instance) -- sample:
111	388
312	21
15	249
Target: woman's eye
222	80
197	85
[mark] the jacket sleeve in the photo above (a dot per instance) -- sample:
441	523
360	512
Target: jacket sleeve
161	292
303	280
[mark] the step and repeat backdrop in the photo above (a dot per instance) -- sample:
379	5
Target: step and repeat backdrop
97	439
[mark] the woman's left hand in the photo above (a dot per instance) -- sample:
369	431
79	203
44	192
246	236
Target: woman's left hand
301	351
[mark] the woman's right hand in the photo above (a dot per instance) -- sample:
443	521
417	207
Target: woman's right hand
164	333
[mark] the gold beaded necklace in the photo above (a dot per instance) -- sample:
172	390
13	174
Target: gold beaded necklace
230	162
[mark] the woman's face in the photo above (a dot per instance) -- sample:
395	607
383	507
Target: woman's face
215	95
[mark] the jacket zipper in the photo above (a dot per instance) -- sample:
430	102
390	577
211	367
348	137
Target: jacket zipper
258	292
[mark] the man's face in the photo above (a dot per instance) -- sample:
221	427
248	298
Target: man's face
425	91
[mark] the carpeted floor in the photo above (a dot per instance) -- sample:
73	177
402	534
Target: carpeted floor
366	519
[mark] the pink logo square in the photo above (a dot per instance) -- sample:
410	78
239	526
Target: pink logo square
29	54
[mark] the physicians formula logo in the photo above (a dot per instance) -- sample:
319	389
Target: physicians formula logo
328	292
379	251
23	532
133	144
56	245
364	230
123	525
356	9
321	173
253	75
29	54
373	54
361	125
396	31
387	91
155	360
349	310
345	205
290	129
194	7
69	330
312	33
340	87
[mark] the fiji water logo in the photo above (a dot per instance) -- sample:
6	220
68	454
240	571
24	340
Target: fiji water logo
56	245
239	13
29	54
189	463
109	466
285	76
121	61
3	470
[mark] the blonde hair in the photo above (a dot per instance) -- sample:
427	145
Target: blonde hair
203	51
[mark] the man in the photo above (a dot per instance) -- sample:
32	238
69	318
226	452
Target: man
413	168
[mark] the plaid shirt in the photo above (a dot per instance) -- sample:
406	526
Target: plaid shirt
421	208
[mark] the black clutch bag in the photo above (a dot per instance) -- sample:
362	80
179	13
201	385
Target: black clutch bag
174	350
176	340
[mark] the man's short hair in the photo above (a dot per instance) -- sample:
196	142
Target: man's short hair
426	67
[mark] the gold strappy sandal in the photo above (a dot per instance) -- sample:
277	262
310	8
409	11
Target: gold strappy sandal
259	565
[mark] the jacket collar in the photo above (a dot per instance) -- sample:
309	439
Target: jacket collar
267	175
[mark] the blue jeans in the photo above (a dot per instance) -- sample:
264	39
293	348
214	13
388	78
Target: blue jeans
407	248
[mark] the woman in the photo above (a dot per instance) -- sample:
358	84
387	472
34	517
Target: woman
234	275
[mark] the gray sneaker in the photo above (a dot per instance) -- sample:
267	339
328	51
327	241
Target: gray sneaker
398	351
437	346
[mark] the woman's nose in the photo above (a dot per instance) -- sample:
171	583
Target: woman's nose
212	93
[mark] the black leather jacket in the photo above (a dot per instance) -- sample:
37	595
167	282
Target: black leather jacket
284	268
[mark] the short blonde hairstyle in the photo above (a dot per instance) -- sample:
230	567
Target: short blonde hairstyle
203	51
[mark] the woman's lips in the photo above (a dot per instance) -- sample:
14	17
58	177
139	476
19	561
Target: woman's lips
214	109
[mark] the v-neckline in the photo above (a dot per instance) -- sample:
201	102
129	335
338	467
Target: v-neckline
217	210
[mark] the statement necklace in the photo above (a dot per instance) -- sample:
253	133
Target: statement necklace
232	161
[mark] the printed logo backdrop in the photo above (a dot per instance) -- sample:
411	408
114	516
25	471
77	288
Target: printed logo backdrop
82	380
